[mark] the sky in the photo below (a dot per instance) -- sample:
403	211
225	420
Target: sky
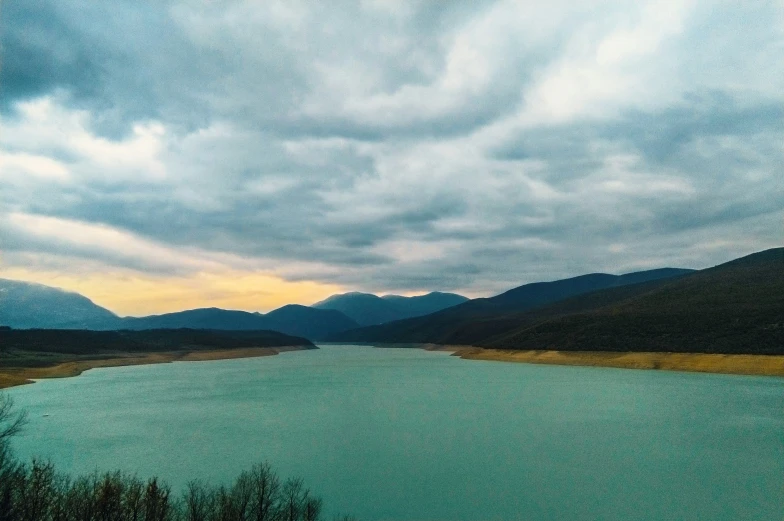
158	156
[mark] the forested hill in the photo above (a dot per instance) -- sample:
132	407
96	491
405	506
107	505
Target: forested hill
441	326
83	342
736	307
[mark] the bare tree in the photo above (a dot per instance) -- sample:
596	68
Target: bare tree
242	496
11	422
198	502
12	474
37	493
11	480
292	495
109	497
312	508
157	506
59	510
265	486
134	495
79	499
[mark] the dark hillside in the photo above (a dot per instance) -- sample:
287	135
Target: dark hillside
737	307
205	318
16	345
311	323
474	332
442	326
541	293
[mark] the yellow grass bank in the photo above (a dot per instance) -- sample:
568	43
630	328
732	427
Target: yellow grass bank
762	365
12	376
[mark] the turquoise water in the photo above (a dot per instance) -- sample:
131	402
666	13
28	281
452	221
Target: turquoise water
406	434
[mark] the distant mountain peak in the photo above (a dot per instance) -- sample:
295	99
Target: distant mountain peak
370	309
28	305
339	296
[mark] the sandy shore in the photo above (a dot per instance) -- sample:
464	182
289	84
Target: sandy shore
697	362
762	365
11	376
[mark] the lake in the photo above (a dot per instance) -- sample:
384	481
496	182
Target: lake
407	434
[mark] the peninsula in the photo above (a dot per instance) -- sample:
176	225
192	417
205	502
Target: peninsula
29	354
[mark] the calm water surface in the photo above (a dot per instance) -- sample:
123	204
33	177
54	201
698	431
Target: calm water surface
405	434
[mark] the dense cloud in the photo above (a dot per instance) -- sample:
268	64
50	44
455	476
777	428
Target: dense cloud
385	145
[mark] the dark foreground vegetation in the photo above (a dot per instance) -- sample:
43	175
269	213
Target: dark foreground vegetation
37	492
733	308
35	347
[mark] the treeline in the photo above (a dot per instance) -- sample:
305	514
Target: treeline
37	492
85	342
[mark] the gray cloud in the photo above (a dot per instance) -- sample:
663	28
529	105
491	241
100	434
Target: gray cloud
396	148
41	53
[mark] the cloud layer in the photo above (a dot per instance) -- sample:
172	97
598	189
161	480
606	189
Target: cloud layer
388	146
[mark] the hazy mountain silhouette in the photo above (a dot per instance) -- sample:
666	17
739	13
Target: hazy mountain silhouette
34	306
426	304
28	305
313	324
364	308
369	309
438	327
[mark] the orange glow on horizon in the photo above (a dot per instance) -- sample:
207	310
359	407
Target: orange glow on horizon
138	294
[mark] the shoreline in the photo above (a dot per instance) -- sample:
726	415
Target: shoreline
751	365
14	376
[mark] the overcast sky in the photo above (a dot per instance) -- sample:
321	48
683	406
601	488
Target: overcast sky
162	155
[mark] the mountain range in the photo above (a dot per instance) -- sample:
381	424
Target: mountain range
367	309
440	327
25	305
736	307
295	320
